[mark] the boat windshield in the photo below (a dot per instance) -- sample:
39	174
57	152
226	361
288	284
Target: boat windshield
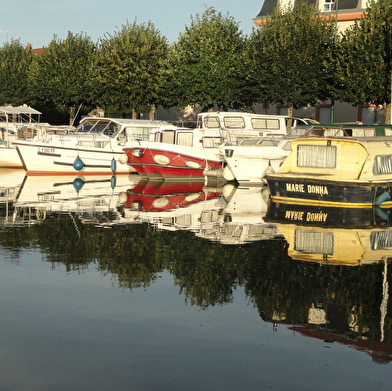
98	127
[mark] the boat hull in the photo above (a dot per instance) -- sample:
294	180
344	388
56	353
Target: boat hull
249	165
327	216
9	158
179	162
43	159
319	191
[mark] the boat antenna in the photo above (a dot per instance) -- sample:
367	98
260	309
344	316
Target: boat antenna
73	120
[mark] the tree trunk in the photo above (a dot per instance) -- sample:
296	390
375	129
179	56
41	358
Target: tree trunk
71	115
388	114
153	110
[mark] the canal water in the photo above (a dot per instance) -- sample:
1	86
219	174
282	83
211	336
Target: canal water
111	283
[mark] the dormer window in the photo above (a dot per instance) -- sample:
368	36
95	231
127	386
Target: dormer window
329	5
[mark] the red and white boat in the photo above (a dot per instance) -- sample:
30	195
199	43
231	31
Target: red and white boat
175	154
194	153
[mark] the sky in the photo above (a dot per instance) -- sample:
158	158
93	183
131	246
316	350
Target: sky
38	21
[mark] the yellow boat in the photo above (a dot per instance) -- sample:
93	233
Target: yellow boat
337	172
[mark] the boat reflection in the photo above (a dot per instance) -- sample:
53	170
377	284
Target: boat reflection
241	219
333	236
170	205
94	199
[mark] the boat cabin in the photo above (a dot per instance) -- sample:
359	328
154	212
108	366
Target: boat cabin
238	126
187	137
122	129
340	159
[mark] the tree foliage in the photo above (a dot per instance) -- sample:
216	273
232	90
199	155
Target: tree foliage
290	58
15	62
205	64
364	57
61	76
128	66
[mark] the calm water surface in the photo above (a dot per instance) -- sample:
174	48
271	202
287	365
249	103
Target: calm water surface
134	286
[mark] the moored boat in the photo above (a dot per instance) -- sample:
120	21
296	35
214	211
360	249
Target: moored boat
175	154
20	122
338	172
194	153
93	148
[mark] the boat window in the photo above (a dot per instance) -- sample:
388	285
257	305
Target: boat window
98	127
211	122
211	142
185	139
138	133
167	137
312	242
381	239
92	143
317	156
111	130
234	122
265	123
382	164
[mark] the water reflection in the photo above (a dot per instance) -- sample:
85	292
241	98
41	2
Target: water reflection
214	241
334	236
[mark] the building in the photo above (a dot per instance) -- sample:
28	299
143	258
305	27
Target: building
346	12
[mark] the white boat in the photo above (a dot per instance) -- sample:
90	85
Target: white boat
93	148
15	122
248	163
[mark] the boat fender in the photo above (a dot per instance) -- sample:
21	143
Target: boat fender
381	213
268	170
161	160
78	184
123	158
113	181
382	198
194	165
78	164
122	197
113	165
228	174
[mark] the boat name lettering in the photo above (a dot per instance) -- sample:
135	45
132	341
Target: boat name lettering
300	187
46	150
45	197
305	216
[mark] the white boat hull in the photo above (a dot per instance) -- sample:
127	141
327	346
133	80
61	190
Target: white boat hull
248	165
9	158
54	159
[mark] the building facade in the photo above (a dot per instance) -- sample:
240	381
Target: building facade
345	12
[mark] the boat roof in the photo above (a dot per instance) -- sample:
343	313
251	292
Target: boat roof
127	120
18	110
369	143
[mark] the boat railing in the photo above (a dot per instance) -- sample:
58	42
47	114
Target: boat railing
346	130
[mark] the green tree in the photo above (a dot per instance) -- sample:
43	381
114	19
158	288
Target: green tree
61	76
205	64
128	66
15	61
364	58
290	58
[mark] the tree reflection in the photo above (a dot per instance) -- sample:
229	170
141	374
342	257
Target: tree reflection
345	301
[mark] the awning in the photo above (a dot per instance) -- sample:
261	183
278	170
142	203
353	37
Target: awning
18	110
